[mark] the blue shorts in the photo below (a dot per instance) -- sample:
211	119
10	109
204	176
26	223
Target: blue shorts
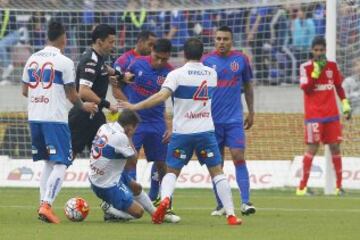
231	135
119	196
126	179
149	136
182	146
51	141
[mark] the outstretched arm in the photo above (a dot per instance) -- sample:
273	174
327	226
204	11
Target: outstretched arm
154	100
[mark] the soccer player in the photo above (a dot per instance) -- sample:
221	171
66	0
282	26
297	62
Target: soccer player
92	81
319	79
192	88
234	76
144	43
112	147
153	133
48	78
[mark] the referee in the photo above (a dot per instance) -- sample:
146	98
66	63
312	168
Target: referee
92	81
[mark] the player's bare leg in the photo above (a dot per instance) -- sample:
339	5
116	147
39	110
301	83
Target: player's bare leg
224	191
311	151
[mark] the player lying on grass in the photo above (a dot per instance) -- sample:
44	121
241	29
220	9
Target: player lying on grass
192	87
112	147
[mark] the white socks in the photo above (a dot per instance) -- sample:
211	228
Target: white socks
224	191
54	183
145	202
47	169
168	185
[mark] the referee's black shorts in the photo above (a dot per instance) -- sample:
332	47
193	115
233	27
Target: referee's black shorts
83	128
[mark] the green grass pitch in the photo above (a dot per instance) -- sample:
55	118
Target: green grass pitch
280	215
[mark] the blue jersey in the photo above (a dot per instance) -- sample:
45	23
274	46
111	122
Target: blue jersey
122	63
147	82
232	70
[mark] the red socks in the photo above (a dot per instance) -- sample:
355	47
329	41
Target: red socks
338	169
307	161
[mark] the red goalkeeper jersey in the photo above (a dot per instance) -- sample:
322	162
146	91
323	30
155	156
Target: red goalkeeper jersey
319	94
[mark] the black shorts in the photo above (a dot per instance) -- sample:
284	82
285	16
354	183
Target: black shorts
83	128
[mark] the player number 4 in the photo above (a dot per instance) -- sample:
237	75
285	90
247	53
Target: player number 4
202	93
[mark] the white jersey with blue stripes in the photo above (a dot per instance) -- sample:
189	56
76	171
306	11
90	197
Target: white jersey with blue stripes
192	86
46	72
110	150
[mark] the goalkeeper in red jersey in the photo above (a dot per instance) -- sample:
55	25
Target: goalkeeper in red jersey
320	79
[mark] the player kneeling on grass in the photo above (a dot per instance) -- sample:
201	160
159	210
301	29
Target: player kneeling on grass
112	147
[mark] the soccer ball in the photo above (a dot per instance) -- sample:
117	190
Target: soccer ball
76	209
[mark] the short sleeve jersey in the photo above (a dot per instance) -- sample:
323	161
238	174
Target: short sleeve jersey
110	150
46	72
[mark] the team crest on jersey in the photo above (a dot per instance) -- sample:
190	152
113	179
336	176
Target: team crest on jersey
329	73
160	80
214	67
234	66
140	73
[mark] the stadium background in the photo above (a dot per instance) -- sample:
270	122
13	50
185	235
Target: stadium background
279	45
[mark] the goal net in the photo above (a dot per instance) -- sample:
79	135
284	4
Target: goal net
276	35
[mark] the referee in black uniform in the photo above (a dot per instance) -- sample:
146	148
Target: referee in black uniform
92	81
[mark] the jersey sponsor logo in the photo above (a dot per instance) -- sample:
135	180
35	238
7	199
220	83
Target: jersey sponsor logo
44	75
91	64
199	115
40	99
199	72
227	83
160	80
234	66
89	70
142	91
324	87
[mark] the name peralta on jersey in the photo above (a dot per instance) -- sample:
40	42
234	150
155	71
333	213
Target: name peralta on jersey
192	85
319	94
46	72
110	150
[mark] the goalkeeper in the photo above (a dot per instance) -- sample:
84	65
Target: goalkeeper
319	79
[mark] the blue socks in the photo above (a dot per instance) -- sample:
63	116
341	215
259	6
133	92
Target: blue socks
242	179
154	184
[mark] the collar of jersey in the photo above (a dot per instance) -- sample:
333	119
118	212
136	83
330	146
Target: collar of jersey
193	63
117	127
51	48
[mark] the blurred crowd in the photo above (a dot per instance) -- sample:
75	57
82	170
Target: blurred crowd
277	38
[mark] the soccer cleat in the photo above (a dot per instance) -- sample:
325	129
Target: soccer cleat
171	218
340	192
304	192
159	214
233	220
112	218
218	212
156	202
247	209
104	206
46	214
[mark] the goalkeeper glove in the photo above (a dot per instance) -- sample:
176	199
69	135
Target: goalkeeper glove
318	67
112	117
346	108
